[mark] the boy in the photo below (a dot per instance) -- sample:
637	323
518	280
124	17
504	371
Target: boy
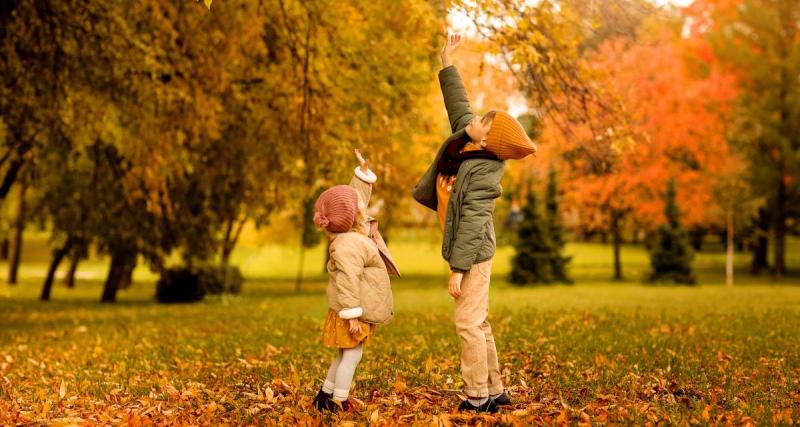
462	185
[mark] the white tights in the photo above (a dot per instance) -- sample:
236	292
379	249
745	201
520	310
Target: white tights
341	371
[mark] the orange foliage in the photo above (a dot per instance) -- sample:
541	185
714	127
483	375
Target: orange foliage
674	113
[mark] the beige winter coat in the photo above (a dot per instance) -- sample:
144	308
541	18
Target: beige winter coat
358	283
359	266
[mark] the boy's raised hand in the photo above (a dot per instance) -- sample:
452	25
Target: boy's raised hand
452	43
361	161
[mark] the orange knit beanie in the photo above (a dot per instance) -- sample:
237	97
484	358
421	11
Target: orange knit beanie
336	209
507	138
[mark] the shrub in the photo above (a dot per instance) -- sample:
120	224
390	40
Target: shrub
179	285
671	256
217	280
185	285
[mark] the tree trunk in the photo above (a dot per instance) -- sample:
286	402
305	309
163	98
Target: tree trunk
19	228
779	230
116	272
232	233
761	243
58	255
299	281
696	237
616	234
729	256
4	246
69	280
126	277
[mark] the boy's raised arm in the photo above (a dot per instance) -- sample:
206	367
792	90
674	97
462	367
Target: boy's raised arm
455	96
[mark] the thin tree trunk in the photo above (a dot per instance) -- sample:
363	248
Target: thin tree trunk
4	246
58	255
19	229
69	280
616	234
761	243
299	281
231	239
225	258
226	253
729	256
779	230
696	237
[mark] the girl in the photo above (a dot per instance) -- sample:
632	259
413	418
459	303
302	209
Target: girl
359	291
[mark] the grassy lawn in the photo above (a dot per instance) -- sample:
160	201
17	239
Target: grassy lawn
597	352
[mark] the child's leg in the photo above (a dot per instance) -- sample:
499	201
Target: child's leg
345	372
330	380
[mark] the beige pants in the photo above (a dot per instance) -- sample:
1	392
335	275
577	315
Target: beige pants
479	366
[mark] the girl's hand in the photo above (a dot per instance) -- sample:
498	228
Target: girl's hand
361	161
452	43
355	326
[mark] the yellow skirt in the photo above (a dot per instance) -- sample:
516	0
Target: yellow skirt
336	332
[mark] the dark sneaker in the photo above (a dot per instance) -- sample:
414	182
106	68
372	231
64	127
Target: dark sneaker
336	406
502	400
321	401
489	407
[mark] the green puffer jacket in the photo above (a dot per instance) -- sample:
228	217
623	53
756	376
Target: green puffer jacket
469	230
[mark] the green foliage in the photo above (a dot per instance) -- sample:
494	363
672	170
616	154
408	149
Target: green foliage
540	241
531	261
555	229
671	256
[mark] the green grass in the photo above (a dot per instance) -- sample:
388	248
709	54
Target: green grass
597	350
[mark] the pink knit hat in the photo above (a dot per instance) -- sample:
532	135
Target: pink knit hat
336	209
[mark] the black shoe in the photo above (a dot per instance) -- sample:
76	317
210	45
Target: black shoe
489	407
321	401
502	400
335	406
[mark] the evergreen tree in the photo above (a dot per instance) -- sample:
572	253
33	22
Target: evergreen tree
555	229
671	255
532	261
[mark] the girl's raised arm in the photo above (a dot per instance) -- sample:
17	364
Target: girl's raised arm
363	179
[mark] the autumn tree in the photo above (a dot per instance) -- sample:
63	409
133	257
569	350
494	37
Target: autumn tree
179	126
759	40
